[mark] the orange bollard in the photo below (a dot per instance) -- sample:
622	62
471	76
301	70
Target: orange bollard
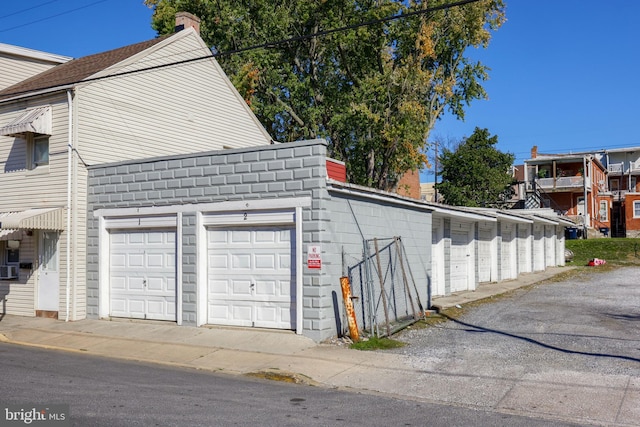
348	304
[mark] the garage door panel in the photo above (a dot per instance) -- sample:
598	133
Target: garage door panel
266	313
239	237
219	313
257	287
241	261
266	237
160	284
267	261
240	288
135	307
217	236
218	288
134	284
218	262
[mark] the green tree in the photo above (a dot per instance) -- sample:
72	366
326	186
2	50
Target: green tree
476	173
374	92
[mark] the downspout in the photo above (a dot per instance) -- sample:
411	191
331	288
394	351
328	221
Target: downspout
584	186
69	177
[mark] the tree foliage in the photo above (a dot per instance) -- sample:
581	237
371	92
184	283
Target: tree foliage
373	92
476	173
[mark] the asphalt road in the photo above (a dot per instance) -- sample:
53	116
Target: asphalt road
589	324
105	392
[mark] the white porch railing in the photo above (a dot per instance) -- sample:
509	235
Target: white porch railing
616	168
564	182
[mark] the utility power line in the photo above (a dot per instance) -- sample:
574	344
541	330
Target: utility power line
254	47
18	12
49	17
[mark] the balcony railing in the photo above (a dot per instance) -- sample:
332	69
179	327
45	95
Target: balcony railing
565	182
634	167
616	168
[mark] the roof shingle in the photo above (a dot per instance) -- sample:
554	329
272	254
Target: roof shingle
76	70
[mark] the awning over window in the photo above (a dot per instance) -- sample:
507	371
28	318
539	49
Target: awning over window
33	219
35	120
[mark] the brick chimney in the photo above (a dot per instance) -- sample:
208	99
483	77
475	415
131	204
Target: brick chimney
534	152
185	20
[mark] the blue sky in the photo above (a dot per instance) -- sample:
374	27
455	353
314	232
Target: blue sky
563	72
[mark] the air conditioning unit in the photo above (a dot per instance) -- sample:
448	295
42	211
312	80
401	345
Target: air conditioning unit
8	272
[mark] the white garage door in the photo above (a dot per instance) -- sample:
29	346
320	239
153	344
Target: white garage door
142	270
524	248
550	245
251	277
508	255
460	256
538	247
485	236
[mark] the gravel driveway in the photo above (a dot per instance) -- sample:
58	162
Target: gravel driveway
590	323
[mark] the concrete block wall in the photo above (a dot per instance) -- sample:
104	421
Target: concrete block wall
266	172
355	219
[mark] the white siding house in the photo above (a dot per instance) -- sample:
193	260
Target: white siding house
19	63
128	103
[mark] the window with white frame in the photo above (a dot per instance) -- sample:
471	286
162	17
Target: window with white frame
604	210
39	151
636	208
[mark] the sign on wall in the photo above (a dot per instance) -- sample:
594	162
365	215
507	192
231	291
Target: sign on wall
314	257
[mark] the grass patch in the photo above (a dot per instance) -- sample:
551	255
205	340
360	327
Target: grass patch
376	343
618	251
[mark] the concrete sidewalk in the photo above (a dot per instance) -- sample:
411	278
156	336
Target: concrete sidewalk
267	353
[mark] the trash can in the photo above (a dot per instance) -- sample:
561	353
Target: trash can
571	233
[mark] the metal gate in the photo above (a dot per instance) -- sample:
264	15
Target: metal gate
385	296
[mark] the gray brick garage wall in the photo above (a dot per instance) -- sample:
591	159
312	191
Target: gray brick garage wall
291	170
269	172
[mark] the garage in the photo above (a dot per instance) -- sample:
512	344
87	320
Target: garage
524	248
251	276
538	247
142	274
550	246
508	249
460	256
485	253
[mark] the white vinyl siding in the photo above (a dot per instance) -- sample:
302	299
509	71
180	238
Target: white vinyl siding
19	292
23	188
185	108
21	69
